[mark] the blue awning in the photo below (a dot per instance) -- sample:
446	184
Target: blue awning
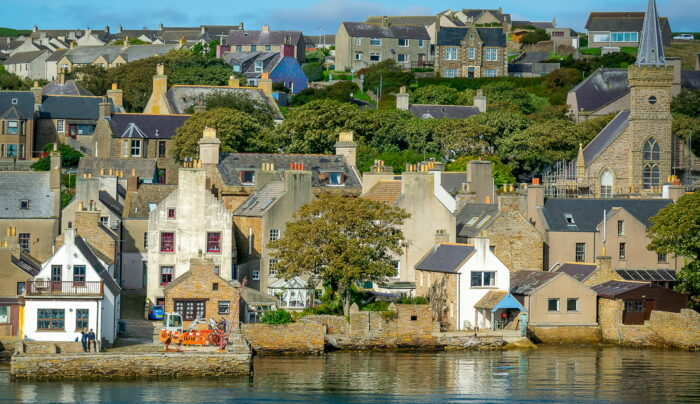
508	302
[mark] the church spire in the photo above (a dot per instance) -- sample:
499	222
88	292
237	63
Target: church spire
651	47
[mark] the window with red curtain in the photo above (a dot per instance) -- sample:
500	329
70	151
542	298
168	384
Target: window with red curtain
167	242
214	242
171	213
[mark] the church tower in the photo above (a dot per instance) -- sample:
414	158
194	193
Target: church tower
650	80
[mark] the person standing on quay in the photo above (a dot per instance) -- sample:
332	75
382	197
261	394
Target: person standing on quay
91	340
84	339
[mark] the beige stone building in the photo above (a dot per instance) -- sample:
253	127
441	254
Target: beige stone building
360	45
109	56
17	124
16	268
471	52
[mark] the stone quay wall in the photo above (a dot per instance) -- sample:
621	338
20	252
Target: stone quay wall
50	347
294	338
565	335
334	324
129	366
7	347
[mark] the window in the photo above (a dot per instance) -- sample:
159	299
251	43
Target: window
624	36
236	68
397	267
145	240
375	57
239	48
56	273
553	304
620	227
11	150
60	126
450	53
15	101
639	305
490	73
125	148
661	258
606	184
214	242
375	41
483	279
24	204
580	252
650	176
569	218
472	53
272	267
571	304
420	43
652	100
402	57
256	275
224	307
82	317
601	38
491	54
215	286
190	310
135	148
24	242
253	48
167	242
234	272
104	220
622	251
358	41
274	234
79	275
20	288
166	275
4	314
12	127
336	178
450	73
358	55
268	48
248	177
403	42
161	148
651	150
82	130
171	213
258	67
50	319
217	270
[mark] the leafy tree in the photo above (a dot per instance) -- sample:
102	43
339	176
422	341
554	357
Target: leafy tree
535	36
388	73
500	124
313	71
340	242
434	94
381	129
339	91
591	128
502	173
263	113
396	159
94	78
465	97
314	127
69	158
687	103
459	137
613	60
506	92
688	128
676	229
238	132
11	81
207	50
564	77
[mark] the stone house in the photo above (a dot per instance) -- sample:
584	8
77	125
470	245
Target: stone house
456	277
32	208
202	294
432	111
360	45
51	64
554	299
100	194
602	271
186	224
290	43
74	290
471	52
28	65
59	85
620	29
109	56
17	122
632	302
16	268
255	66
483	18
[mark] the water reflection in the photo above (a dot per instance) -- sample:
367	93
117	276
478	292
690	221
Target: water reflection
554	374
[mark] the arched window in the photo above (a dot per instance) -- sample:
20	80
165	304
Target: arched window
651	176
606	184
651	150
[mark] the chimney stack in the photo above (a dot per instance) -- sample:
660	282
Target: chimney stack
105	109
158	103
209	146
265	28
116	95
265	84
402	102
119	29
347	147
385	21
480	180
37	92
480	101
535	198
441	236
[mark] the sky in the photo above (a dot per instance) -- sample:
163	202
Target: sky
313	17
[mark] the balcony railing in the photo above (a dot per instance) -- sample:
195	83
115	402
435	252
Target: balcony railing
52	288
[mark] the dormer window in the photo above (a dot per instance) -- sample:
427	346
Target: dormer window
258	67
237	68
569	218
14	101
248	177
24	204
336	178
12	127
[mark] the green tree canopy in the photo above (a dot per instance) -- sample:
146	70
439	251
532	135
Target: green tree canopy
676	229
687	103
535	36
313	71
263	113
434	94
69	158
339	242
388	73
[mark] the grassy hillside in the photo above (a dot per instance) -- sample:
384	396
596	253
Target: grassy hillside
686	50
13	32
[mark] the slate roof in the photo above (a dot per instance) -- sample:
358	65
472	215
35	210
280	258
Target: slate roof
490	299
247	61
601	88
606	136
647	275
445	257
24	104
71	87
90	256
624	21
690	79
526	282
577	270
111	203
31	185
146	126
24	57
248	37
385	191
452	181
475	217
476	13
182	97
317	40
424	20
426	111
610	289
259	202
453	36
232	164
588	213
71	107
535	24
145	168
137	203
366	30
254	297
13	113
57	55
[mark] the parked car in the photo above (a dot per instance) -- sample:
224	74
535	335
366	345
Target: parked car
156	313
684	37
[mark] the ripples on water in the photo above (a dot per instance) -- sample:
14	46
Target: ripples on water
549	374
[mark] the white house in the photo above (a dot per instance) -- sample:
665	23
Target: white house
72	291
468	276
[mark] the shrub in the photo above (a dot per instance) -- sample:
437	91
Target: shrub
412	300
388	315
277	317
376	306
313	71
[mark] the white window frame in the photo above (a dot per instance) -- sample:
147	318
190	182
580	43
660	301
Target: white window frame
259	66
451	73
358	55
136	148
60	126
378	56
125	148
420	43
490	73
375	41
492	54
104	220
601	37
406	42
577	309
8	315
270	265
358	41
558	305
405	57
472	54
256	275
481	282
450	53
274	235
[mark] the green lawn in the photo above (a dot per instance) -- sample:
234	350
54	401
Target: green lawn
361	95
591	51
13	32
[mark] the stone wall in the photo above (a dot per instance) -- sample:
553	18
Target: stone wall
51	347
7	347
681	330
129	366
334	324
565	335
441	290
297	338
